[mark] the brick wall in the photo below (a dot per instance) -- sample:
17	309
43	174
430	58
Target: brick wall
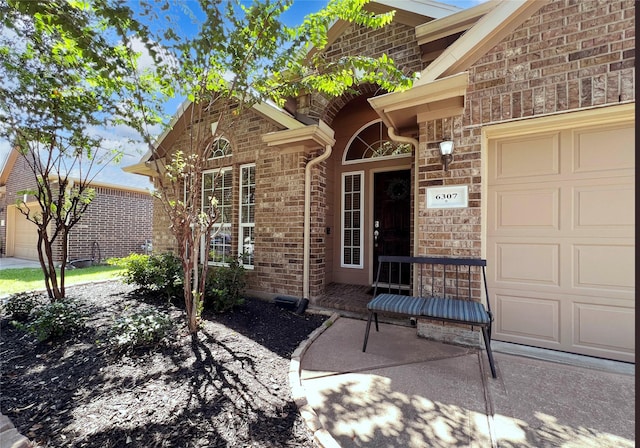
570	55
118	220
279	212
396	40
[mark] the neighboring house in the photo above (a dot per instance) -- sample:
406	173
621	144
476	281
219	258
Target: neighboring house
116	223
538	100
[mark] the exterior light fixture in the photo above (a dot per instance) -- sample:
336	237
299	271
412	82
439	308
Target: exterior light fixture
446	152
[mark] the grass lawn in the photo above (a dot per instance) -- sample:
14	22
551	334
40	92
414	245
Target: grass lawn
30	279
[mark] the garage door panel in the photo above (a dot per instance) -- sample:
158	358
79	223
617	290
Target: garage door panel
526	157
527	317
608	328
561	234
603	266
528	263
590	149
24	234
605	207
530	208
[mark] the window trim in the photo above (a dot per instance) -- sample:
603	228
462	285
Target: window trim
342	223
229	154
369	159
217	225
241	224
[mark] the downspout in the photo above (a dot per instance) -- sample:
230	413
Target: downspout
307	226
402	139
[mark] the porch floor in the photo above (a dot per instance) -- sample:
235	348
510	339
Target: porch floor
345	298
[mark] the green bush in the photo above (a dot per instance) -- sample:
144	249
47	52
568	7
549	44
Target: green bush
224	286
54	320
139	329
156	272
21	306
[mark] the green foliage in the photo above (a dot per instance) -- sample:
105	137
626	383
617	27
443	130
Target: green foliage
23	305
31	279
155	272
54	320
224	286
139	329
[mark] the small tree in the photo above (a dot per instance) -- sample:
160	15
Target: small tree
243	55
63	78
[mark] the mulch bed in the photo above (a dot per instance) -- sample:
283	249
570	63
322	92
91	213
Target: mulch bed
227	386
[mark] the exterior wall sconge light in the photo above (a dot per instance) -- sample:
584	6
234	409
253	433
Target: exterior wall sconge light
446	152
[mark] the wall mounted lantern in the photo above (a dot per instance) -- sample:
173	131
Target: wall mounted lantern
446	151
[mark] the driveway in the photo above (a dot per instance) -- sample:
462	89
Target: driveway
15	263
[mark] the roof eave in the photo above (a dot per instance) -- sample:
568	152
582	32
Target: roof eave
400	110
492	28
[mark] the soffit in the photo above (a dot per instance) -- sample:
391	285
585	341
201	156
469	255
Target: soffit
486	33
412	12
178	125
399	110
312	137
442	86
6	168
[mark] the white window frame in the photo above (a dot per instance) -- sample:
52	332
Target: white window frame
218	224
342	221
217	142
369	159
241	224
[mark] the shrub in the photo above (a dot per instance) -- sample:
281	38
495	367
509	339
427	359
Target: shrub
156	272
139	329
22	305
54	320
224	287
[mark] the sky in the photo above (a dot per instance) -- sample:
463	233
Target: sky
114	175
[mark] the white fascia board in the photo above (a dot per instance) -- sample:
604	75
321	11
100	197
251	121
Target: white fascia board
480	38
425	8
278	115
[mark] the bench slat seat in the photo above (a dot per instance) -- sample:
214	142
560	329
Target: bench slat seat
456	310
393	303
447	279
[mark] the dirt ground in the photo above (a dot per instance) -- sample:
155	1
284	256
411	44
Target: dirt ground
225	387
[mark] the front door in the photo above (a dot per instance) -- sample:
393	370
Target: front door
392	220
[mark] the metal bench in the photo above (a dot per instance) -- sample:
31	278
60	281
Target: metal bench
448	291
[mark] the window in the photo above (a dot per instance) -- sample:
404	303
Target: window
352	217
219	184
247	214
371	142
220	148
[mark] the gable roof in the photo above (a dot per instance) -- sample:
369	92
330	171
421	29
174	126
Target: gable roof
7	166
478	31
408	12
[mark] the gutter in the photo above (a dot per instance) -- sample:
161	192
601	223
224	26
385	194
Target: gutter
307	225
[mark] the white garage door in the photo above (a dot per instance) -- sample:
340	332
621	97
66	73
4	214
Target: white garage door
560	238
25	236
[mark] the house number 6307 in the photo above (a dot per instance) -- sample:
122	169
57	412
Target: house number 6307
446	196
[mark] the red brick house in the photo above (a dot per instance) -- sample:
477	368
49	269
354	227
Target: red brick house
117	223
538	100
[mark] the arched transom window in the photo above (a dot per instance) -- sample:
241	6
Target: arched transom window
371	142
220	148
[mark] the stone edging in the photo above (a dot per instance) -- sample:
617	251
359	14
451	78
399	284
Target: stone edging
320	435
9	435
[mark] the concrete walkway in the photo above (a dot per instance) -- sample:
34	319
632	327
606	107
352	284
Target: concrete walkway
410	392
15	263
10	437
